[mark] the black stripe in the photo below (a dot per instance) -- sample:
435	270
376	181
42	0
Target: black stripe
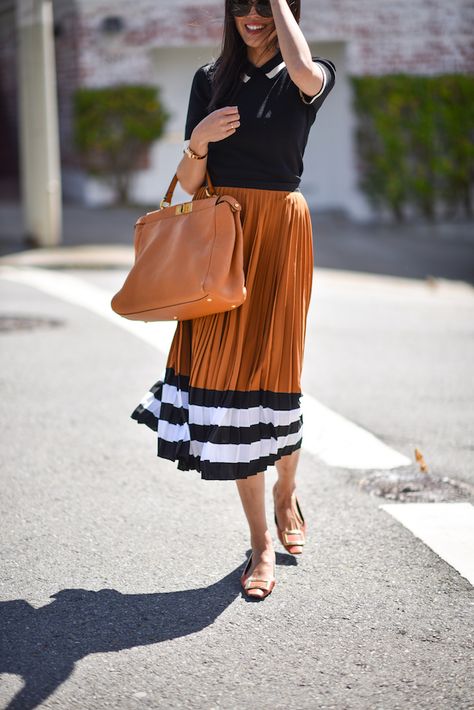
213	432
238	399
219	471
174	415
230	471
241	435
143	416
244	400
156	389
172	450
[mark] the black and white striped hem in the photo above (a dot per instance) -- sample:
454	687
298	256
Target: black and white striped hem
223	435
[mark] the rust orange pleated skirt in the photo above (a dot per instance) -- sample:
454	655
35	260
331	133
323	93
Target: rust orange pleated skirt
229	401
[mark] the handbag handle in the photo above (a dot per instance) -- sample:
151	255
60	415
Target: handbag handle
166	201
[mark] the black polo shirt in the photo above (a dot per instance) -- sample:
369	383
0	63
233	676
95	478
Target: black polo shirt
267	150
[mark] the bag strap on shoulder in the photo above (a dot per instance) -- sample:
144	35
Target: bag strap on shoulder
166	201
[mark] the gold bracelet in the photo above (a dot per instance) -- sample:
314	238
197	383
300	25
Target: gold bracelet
191	154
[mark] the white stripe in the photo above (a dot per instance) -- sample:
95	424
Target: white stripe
151	404
359	448
225	453
217	416
172	395
173	432
241	453
447	528
226	416
273	72
324	70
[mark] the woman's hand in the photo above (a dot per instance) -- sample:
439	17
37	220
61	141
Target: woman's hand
218	125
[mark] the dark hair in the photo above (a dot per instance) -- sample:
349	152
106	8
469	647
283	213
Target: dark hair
225	74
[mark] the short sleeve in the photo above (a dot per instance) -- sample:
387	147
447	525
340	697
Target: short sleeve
329	72
198	101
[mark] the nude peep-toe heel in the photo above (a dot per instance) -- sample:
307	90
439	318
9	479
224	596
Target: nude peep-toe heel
293	538
248	582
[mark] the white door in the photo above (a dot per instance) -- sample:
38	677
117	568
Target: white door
174	71
329	179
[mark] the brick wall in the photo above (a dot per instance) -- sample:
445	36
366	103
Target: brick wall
410	36
414	36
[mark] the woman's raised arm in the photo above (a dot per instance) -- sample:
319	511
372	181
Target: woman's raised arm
305	73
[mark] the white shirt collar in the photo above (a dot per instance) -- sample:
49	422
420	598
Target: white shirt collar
270	74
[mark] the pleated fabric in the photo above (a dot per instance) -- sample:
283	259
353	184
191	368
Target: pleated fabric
228	404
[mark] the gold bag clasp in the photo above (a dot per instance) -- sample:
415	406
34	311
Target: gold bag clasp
185	208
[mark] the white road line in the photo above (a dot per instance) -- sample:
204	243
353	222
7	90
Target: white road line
447	528
328	435
339	442
81	293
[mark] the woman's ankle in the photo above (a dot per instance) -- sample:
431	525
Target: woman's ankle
261	542
283	490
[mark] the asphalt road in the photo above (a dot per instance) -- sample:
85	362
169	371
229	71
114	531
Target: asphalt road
120	574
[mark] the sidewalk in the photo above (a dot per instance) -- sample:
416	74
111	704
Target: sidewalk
103	237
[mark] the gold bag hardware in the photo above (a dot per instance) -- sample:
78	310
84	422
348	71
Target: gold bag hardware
185	208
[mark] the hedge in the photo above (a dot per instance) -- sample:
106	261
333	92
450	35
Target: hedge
113	129
415	144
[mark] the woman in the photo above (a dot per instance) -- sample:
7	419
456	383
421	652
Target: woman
228	404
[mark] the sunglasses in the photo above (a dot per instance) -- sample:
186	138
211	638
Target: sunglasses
240	9
263	8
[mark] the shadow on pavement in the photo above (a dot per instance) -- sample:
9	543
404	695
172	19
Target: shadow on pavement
42	645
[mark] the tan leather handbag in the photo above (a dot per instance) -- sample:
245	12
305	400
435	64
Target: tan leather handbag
188	260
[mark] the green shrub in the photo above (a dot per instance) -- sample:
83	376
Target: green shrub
415	143
114	128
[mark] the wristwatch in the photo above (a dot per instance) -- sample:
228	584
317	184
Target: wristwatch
191	154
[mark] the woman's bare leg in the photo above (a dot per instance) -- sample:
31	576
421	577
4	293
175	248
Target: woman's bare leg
286	469
284	487
252	495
